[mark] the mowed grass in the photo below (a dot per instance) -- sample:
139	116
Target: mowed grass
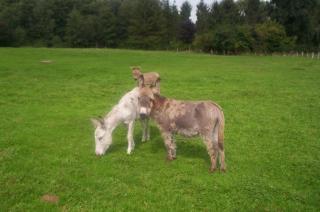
272	136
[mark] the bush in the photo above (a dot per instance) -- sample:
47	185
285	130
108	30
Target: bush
244	41
204	42
19	36
226	39
272	37
57	42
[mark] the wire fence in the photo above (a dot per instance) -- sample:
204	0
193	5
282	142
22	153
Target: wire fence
306	54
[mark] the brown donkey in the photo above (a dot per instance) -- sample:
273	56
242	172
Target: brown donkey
151	79
188	118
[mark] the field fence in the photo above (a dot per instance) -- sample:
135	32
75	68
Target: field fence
311	55
306	54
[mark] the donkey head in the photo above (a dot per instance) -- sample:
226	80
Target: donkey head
100	136
136	72
146	98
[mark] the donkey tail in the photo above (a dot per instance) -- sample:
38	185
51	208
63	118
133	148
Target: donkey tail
221	129
221	143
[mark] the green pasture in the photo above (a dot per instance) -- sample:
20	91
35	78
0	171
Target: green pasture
272	133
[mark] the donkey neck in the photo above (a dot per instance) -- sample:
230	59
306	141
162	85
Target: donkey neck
159	102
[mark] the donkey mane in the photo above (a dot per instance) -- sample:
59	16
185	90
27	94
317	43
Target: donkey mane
159	100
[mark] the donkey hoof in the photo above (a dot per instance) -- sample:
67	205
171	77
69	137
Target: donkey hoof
129	151
212	170
223	169
169	158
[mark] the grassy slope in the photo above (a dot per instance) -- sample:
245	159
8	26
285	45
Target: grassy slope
272	114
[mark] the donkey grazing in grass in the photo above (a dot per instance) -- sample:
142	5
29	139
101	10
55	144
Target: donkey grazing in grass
188	118
126	111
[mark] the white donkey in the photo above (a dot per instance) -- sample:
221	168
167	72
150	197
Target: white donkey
126	111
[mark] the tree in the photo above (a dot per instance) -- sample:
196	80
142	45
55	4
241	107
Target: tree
244	41
123	20
42	29
295	16
185	12
202	24
252	12
186	27
146	25
227	25
215	15
229	12
224	40
7	23
187	32
315	23
61	10
171	21
82	29
106	26
204	41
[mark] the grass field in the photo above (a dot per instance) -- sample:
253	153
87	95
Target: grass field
272	110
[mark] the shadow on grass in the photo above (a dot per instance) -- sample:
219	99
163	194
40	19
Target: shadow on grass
186	147
120	142
190	148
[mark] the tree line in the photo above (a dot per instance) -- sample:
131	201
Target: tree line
225	27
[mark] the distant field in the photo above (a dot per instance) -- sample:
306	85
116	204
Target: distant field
272	110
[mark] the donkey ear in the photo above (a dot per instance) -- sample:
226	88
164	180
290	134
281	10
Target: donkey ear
96	122
141	81
135	67
136	73
151	96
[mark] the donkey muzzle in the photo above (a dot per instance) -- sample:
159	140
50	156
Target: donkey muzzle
143	116
143	112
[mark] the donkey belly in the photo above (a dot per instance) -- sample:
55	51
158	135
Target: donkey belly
186	125
188	132
191	126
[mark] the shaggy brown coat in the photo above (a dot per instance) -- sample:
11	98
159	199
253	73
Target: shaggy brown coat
151	79
188	118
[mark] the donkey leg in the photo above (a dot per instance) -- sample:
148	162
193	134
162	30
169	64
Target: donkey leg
221	154
130	137
173	148
215	147
168	142
221	144
144	130
148	129
212	151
